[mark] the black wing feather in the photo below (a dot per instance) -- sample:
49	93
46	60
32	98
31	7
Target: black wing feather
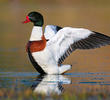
93	41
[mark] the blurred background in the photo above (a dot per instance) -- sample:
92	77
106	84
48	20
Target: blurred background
91	14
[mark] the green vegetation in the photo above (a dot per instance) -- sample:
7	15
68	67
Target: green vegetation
29	95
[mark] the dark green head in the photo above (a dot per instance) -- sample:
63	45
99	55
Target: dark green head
36	18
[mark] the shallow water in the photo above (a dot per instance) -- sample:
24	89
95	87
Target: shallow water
56	84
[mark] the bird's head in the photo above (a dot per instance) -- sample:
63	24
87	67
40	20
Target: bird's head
35	17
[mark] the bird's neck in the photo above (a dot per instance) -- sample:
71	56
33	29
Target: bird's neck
36	34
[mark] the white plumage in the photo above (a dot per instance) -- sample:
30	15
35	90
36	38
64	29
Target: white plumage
65	37
48	52
61	43
50	31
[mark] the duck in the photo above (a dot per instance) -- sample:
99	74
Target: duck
48	49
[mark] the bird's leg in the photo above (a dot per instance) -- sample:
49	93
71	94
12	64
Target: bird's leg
64	68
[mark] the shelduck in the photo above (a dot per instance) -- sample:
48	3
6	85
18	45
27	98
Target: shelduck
47	50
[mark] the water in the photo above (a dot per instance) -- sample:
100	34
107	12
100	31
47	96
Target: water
55	84
17	73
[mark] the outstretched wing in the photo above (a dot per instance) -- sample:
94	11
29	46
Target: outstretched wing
50	31
69	39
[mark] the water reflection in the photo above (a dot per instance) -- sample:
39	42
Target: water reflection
50	84
96	82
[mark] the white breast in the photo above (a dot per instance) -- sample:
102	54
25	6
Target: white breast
36	33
